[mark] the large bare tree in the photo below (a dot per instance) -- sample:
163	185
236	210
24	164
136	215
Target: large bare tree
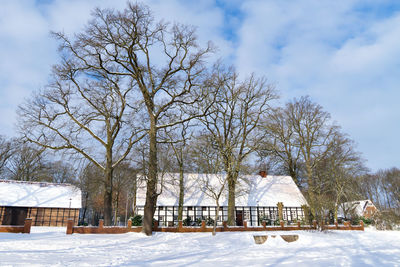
161	62
280	146
83	111
234	120
335	174
302	136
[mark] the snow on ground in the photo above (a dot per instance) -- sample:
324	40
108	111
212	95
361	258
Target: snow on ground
47	246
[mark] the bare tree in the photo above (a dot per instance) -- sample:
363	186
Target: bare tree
213	185
180	149
302	136
209	160
28	163
280	146
6	151
90	182
161	62
336	173
62	172
85	112
234	120
124	182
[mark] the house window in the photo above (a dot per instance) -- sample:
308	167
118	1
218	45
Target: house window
190	208
204	208
247	215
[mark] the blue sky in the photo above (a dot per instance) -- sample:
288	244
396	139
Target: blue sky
344	54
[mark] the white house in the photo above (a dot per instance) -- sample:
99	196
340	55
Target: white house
256	198
48	204
364	208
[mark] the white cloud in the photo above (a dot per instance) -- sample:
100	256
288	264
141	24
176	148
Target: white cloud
344	59
27	50
339	52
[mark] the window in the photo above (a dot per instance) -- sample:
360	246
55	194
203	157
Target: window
246	215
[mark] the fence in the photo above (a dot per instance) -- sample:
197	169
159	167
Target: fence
203	228
25	229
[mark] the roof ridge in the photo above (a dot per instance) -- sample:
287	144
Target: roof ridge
34	182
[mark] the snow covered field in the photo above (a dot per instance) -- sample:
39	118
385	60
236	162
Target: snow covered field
52	247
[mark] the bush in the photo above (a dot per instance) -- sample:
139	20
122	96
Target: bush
366	221
386	220
355	220
187	221
209	221
136	220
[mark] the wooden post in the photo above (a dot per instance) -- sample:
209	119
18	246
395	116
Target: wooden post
129	226
245	224
27	226
264	224
337	225
298	225
225	225
101	224
282	223
180	226
203	225
70	226
155	226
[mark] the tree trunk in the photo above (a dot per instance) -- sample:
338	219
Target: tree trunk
181	192
134	196
116	206
231	200
85	208
151	193
108	196
311	188
216	219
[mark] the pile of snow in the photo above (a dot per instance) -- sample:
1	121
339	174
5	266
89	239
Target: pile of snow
52	247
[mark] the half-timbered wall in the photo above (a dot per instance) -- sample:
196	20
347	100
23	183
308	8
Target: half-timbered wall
47	216
254	215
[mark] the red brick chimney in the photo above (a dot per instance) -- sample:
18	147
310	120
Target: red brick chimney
263	174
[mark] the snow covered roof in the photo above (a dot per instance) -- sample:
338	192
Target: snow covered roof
37	194
253	190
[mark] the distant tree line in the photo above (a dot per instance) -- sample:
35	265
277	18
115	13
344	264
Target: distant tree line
132	98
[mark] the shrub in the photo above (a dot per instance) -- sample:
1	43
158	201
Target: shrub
366	221
209	221
187	221
386	220
136	220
